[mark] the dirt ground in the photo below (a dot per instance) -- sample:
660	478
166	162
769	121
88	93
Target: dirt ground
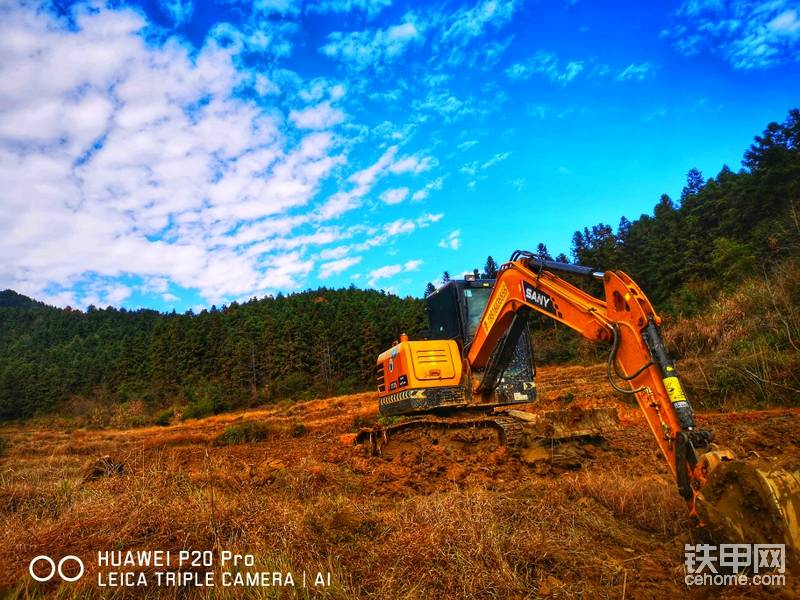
423	521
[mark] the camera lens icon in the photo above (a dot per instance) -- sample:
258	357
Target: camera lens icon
56	569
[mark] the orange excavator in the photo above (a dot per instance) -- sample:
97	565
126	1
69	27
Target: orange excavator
476	362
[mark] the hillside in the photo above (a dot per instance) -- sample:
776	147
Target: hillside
316	342
11	299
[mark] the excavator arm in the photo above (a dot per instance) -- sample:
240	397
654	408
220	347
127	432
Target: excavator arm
626	320
730	500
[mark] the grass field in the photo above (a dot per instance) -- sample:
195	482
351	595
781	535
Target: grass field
284	485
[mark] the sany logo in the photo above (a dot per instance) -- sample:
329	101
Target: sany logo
54	569
538	298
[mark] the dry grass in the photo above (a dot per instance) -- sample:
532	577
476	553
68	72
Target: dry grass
649	503
310	503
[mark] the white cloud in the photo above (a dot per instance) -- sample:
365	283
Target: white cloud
180	11
466	145
384	234
499	157
363	181
259	32
373	48
547	64
265	86
278	7
321	116
125	157
786	23
411	164
117	294
102	293
427	219
392	270
337	266
319	88
384	273
519	184
422	194
285	271
155	284
449	108
419	195
394	196
370	7
475	167
400	226
334	253
635	72
452	241
468	23
748	34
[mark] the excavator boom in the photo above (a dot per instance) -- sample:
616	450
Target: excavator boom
731	499
625	319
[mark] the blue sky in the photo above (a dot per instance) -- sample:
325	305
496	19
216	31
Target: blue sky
176	154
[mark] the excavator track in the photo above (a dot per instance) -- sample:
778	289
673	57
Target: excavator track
532	437
509	429
513	435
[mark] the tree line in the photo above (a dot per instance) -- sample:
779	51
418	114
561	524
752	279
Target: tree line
317	342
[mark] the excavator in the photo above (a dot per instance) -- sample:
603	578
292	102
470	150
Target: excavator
475	366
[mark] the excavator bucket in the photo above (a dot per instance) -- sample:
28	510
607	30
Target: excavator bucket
744	503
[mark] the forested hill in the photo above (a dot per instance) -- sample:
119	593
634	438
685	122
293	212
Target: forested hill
11	299
316	342
735	229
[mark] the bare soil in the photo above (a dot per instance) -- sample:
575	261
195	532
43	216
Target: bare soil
425	520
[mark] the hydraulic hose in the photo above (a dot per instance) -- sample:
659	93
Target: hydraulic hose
612	365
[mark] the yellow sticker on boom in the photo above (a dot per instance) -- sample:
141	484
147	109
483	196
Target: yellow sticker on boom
495	307
674	389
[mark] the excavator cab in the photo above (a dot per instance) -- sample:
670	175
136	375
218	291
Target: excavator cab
431	374
455	311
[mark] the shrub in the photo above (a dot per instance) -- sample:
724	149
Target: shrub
299	429
202	407
163	418
243	433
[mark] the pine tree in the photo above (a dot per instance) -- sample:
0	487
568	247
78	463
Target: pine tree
490	268
694	183
542	252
